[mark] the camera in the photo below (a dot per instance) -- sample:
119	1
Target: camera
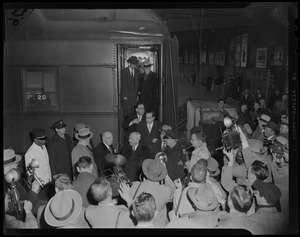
230	136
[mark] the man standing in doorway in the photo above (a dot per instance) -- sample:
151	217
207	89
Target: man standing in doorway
148	88
130	82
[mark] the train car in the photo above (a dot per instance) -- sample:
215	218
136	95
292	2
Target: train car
67	63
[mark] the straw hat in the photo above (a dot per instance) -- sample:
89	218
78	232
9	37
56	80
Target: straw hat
10	157
256	146
83	134
203	197
63	208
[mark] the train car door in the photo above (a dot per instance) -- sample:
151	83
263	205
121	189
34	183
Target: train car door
142	52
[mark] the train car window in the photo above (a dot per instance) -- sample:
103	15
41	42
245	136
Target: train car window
41	90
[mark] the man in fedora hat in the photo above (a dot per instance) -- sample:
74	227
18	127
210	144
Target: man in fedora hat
280	170
63	209
38	152
197	176
267	195
61	182
270	133
133	119
176	158
153	172
11	162
259	131
59	148
204	208
160	145
83	136
130	84
79	126
148	87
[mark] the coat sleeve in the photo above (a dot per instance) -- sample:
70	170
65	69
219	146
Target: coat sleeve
226	178
52	154
12	223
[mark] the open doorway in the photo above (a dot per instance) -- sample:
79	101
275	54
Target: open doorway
143	53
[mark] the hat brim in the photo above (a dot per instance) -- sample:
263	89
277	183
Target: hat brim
78	138
51	220
258	152
149	176
149	65
192	195
216	173
18	158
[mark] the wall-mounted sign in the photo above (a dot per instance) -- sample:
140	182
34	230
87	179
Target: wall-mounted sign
261	58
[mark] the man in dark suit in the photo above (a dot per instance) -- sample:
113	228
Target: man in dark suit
160	145
135	153
133	119
104	152
175	157
130	83
59	149
149	129
148	88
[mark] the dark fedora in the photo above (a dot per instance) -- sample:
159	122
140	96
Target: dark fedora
133	60
154	170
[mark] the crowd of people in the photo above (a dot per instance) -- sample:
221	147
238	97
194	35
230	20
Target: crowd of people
167	189
67	181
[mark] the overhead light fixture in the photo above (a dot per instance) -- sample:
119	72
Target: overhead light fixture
142	28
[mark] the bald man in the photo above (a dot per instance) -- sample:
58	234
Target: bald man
135	153
104	151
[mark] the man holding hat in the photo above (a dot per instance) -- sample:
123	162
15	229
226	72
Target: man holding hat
59	148
83	136
130	84
267	195
259	131
148	87
176	158
38	151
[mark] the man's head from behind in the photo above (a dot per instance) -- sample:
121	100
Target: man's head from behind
144	207
84	164
101	189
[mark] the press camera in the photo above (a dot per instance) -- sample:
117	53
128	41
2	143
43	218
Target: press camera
230	136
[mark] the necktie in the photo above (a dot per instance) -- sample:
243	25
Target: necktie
149	128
